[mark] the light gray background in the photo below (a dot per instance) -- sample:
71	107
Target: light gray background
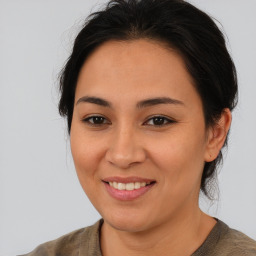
40	196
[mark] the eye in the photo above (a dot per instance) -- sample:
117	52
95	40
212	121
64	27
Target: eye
96	120
159	121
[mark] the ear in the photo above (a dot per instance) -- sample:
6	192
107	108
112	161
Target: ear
217	135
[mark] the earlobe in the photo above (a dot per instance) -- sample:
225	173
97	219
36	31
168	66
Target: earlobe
217	135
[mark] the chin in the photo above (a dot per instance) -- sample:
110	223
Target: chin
125	226
125	221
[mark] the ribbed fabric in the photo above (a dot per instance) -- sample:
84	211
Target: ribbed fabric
222	241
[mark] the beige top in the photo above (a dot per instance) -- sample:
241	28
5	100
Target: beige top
222	241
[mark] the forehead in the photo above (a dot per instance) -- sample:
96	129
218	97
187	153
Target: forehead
135	69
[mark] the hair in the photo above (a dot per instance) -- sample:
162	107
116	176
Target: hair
179	25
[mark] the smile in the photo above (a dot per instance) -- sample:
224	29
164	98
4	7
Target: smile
127	188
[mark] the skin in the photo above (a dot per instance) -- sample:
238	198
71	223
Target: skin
129	143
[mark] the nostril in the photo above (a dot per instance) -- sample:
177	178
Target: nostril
125	157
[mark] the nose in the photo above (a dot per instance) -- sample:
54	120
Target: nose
125	149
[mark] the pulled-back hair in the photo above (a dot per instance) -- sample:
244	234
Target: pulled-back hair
180	26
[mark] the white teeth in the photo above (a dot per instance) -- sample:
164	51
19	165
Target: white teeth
128	186
120	186
137	185
114	184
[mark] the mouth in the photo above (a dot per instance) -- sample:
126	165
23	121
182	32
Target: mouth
127	188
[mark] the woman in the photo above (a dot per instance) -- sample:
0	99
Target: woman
148	93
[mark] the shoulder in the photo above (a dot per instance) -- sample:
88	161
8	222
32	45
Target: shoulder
70	244
234	243
61	246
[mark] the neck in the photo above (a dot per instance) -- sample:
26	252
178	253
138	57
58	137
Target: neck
180	236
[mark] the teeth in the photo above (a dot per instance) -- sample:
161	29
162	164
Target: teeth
137	185
128	186
115	184
120	186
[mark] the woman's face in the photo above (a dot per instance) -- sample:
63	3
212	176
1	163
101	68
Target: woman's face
138	135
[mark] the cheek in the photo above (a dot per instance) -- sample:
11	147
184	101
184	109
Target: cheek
87	153
180	158
86	147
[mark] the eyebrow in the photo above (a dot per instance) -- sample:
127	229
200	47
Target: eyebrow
139	105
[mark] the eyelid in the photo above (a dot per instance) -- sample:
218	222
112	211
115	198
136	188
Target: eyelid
168	119
86	120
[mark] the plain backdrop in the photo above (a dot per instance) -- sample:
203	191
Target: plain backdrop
40	196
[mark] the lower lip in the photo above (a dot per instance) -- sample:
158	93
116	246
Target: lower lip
127	195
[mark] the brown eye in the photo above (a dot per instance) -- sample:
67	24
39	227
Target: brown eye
159	121
95	120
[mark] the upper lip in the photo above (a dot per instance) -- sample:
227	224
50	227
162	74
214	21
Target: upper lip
127	179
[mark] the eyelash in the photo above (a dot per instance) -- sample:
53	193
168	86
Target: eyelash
167	121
